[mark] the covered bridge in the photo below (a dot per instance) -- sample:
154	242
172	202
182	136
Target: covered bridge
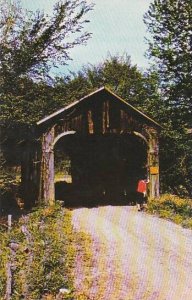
111	145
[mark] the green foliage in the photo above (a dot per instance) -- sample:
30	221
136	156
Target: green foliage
44	260
8	186
32	44
4	255
169	23
174	208
6	178
118	74
175	161
170	48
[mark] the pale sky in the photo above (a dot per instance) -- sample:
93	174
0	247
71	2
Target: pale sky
117	27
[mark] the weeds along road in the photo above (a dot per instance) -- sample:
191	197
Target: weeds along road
134	256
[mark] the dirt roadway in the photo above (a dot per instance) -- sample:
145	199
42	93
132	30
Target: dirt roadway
135	256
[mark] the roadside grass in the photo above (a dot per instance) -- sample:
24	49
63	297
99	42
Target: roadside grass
172	207
59	176
41	249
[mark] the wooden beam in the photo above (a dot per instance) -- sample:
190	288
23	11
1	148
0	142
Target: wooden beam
47	167
153	163
90	122
71	132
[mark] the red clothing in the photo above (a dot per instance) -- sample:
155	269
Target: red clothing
142	186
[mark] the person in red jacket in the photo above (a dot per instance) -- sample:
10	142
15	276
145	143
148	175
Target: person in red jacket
142	192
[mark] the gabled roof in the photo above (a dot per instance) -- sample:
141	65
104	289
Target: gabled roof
102	90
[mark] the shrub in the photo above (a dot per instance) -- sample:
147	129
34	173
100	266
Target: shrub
173	208
44	259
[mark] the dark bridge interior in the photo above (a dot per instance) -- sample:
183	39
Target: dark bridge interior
105	169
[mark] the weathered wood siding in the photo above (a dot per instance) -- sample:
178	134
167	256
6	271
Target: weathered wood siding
101	114
102	117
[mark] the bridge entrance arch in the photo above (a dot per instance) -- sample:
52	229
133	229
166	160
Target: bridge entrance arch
110	141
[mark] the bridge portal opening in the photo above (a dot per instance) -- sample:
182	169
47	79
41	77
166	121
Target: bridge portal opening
99	169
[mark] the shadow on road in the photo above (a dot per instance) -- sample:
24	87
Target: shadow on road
84	196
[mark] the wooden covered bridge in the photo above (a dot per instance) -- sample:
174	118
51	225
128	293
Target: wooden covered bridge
110	143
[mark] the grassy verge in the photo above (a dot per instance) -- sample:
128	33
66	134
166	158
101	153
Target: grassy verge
41	248
173	208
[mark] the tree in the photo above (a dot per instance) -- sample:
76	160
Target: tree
170	48
170	45
118	74
32	44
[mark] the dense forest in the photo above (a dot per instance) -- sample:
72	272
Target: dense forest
33	44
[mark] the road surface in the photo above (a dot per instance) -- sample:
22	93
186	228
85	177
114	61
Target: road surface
135	256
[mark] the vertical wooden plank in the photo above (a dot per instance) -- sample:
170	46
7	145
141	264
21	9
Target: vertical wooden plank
114	117
153	162
97	115
107	122
47	173
29	186
105	118
121	121
37	172
84	122
90	122
124	121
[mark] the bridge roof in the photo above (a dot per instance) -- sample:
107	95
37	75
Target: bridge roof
103	91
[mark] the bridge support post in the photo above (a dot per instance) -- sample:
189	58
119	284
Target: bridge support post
153	163
47	186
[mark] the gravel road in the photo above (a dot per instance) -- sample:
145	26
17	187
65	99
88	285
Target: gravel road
135	256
